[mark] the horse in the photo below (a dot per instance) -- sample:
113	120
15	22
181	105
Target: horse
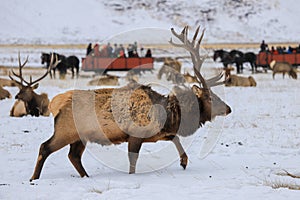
45	58
73	62
227	58
70	62
237	57
250	57
241	58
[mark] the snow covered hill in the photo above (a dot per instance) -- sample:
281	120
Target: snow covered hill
80	22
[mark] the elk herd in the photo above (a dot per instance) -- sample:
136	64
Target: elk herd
134	113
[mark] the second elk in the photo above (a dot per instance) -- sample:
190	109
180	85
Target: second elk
235	80
29	102
134	113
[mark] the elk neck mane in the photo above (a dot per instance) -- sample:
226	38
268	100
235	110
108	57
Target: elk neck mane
182	108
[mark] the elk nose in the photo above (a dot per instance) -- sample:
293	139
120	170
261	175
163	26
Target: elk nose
228	110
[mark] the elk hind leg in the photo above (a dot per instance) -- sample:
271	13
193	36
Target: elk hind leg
75	154
46	149
134	146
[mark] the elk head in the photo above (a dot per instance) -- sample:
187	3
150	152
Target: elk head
209	103
26	92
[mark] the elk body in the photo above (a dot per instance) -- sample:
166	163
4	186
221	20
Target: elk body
6	82
235	80
189	78
105	80
18	109
171	68
134	113
4	93
283	67
35	104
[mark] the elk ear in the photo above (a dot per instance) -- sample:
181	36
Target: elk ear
198	91
35	86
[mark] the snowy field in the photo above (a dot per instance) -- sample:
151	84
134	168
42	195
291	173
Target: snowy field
241	156
246	159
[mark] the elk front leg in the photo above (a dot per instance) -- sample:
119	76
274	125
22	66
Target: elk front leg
134	146
182	154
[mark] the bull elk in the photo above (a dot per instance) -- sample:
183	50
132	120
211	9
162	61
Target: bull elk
134	113
235	80
283	67
35	104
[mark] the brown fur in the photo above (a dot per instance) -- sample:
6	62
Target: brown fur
189	78
36	104
171	68
6	82
4	93
59	101
134	114
283	67
171	74
105	80
18	109
174	63
109	123
235	80
132	76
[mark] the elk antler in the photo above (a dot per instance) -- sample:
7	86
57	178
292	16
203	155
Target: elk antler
214	80
51	66
193	47
20	71
20	76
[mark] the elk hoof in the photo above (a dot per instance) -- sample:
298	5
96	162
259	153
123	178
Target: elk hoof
183	165
184	161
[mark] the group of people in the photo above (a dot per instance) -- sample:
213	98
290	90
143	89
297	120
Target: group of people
116	51
278	50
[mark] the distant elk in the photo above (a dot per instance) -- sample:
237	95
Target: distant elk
7	82
105	80
35	104
175	76
70	62
170	68
134	113
235	80
283	67
4	93
171	74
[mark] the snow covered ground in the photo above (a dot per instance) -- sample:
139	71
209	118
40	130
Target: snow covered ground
249	149
257	141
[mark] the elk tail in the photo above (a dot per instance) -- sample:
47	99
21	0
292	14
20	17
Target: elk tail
59	101
272	63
